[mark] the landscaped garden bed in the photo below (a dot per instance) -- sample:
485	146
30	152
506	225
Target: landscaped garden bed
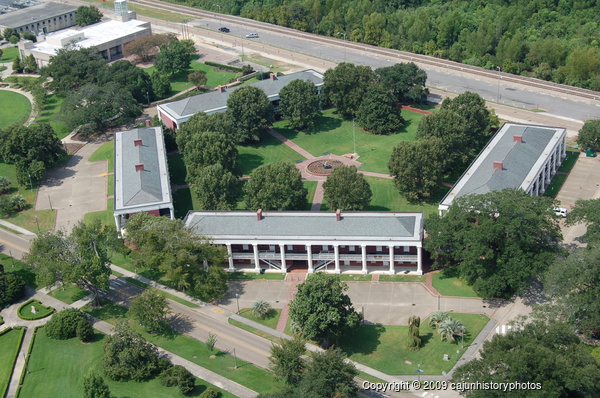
26	310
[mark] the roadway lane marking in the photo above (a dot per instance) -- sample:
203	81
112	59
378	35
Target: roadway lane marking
218	310
16	247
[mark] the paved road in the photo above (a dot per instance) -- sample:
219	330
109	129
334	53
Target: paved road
14	245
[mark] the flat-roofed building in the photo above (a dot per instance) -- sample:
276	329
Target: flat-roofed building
518	156
173	114
40	19
108	38
353	242
141	175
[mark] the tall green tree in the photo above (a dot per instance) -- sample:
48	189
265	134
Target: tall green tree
205	148
449	129
406	81
175	57
220	123
286	360
300	105
161	85
146	47
377	113
276	186
81	257
347	189
216	188
418	167
497	242
71	68
250	112
589	135
587	212
131	78
327	375
346	85
150	309
197	78
322	310
12	287
87	15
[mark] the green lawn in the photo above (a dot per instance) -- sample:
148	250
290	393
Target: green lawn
402	278
268	150
163	293
106	216
57	368
252	330
311	186
448	285
9	54
387	198
269	321
19	268
9	349
251	275
569	162
69	294
334	135
184	200
14	108
554	188
25	310
105	152
26	218
383	347
196	351
49	112
177	169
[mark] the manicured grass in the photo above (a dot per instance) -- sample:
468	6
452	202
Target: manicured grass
184	200
451	286
269	321
14	108
383	347
251	275
69	294
19	268
57	368
402	278
163	293
268	150
569	162
108	6
26	218
9	54
356	278
247	374
105	152
334	135
106	216
311	186
25	310
252	330
554	188
387	198
177	169
49	112
10	342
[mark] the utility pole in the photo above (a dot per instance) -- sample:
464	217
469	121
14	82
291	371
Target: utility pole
498	92
354	131
218	5
342	33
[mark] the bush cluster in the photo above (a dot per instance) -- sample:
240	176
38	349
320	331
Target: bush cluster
69	323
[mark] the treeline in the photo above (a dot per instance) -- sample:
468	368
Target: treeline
554	40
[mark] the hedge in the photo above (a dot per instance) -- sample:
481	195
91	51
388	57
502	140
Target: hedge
41	314
14	360
228	67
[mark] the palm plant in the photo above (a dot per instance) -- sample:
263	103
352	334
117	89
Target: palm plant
450	328
261	308
437	318
18	202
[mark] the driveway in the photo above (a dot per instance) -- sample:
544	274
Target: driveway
75	188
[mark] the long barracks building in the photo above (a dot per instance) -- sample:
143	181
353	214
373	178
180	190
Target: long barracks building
349	242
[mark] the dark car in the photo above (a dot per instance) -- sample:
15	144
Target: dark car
224	29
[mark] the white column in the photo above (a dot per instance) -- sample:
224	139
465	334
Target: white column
336	252
419	261
363	251
118	224
172	213
548	172
283	265
230	253
543	177
309	260
564	149
392	268
256	260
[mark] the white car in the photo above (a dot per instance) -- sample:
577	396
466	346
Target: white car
252	36
561	211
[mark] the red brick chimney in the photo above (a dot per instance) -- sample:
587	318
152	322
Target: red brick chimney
273	76
258	214
338	215
147	123
498	165
518	138
137	142
139	167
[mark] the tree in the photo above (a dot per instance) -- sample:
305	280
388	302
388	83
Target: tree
82	257
544	352
211	284
414	339
8	33
211	341
27	35
299	103
210	393
347	189
206	148
437	318
12	287
161	85
378	113
250	112
327	375
95	387
72	68
286	360
587	212
4	184
322	310
17	65
276	186
406	81
127	356
201	122
64	324
30	64
589	135
29	171
84	330
146	47
574	284
261	308
417	167
197	78
449	328
37	142
346	85
87	15
150	309
495	242
175	57
216	188
178	376
131	78
14	39
18	202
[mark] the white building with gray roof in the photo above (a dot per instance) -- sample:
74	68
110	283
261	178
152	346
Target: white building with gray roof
518	156
349	242
173	114
141	175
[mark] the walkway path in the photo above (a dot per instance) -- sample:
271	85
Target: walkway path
296	278
289	143
318	198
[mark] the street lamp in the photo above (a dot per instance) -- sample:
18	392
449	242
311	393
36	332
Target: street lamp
148	98
342	33
30	184
218	5
463	337
38	223
237	299
418	372
234	358
499	70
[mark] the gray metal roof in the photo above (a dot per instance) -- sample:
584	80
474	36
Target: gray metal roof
135	189
215	101
517	159
32	14
316	226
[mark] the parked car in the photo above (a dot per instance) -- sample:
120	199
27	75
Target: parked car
252	36
224	29
561	212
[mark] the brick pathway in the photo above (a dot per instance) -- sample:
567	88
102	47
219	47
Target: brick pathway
318	198
378	175
295	278
290	144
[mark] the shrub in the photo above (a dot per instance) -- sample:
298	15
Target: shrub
221	66
261	308
178	376
84	331
12	287
64	324
211	341
24	312
210	393
4	184
95	387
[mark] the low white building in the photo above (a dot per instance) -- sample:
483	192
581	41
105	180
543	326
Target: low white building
40	19
518	156
108	38
349	242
